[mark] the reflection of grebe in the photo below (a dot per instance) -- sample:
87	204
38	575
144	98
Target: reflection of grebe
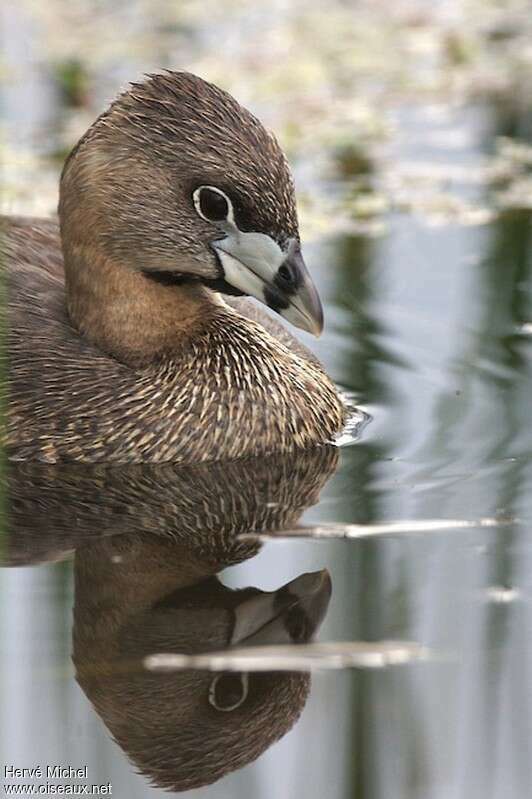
149	541
187	728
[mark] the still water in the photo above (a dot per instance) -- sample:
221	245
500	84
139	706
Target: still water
421	670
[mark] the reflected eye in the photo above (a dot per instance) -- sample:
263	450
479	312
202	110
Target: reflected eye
228	691
211	204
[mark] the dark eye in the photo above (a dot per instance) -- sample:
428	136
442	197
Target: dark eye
228	691
212	204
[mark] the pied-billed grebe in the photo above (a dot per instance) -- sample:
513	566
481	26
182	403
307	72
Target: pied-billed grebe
121	344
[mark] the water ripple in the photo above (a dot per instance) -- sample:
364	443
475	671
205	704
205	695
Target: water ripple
408	527
296	657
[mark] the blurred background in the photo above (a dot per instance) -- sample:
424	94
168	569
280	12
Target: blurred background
408	126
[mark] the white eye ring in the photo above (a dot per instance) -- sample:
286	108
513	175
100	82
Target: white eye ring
196	198
244	679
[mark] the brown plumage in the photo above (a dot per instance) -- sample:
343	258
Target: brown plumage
121	347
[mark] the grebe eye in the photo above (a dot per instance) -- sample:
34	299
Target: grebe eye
228	691
211	204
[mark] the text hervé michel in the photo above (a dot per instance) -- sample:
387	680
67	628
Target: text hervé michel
48	772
